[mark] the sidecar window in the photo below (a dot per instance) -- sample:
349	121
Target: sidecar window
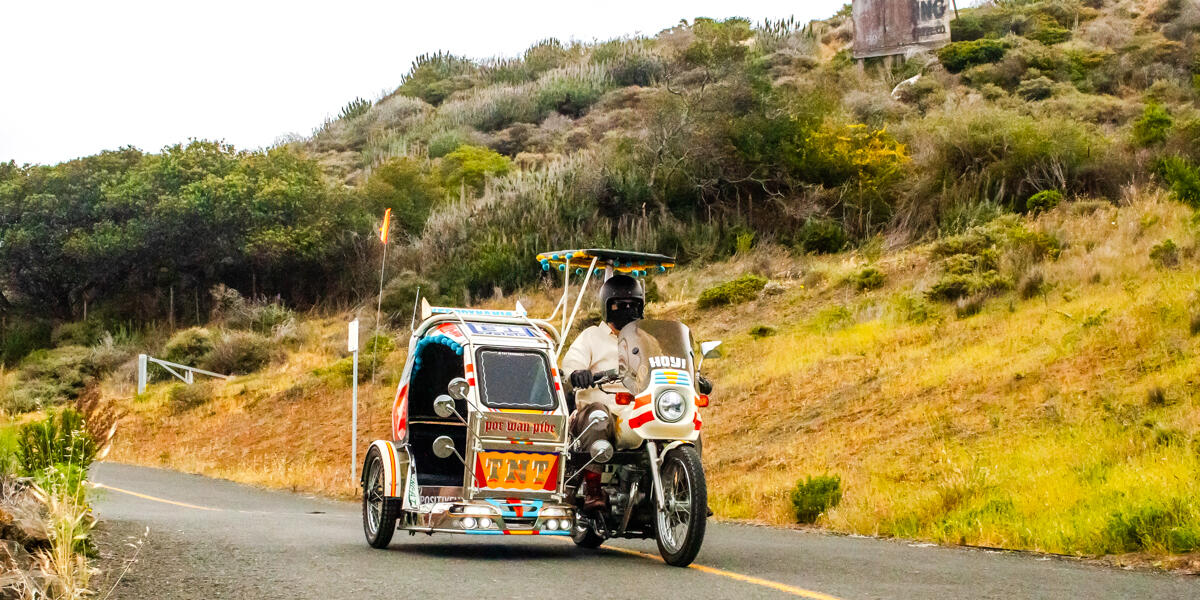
515	379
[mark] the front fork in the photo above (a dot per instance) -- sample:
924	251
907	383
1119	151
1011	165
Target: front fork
652	448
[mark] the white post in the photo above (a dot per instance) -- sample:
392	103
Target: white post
352	346
141	374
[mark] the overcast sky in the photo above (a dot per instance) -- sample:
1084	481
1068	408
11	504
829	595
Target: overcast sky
81	77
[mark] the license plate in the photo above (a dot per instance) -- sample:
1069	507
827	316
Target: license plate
523	471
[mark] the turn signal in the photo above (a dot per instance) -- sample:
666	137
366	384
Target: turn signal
702	400
624	398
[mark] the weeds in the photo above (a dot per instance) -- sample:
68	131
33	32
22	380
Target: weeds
742	289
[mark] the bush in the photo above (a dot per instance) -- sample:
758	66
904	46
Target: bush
820	236
1031	284
571	91
471	166
1036	89
230	308
184	397
869	278
23	336
814	495
239	353
400	295
1043	201
761	331
1165	254
59	439
1050	34
1182	178
1153	126
742	289
914	309
957	56
371	353
189	347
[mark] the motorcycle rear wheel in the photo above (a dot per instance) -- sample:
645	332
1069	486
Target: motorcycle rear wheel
679	527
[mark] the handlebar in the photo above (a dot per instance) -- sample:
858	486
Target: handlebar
604	377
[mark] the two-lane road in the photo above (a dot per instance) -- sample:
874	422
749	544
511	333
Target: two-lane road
216	539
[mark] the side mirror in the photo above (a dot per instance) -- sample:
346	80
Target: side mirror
443	447
598	417
601	451
709	349
443	406
459	388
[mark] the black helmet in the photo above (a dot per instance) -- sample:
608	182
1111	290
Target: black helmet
621	300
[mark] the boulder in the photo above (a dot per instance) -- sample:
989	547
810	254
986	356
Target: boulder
23	515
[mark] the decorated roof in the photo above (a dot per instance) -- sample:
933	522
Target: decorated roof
637	264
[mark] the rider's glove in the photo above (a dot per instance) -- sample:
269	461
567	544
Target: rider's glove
581	379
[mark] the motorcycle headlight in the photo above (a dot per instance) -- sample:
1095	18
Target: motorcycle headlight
670	406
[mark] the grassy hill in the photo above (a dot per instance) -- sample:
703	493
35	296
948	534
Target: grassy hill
974	297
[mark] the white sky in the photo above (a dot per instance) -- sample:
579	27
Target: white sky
81	77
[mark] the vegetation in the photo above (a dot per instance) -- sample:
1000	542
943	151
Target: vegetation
742	289
813	496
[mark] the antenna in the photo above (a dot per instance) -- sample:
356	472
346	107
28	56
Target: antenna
412	325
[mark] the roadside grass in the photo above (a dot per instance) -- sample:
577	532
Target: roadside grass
1065	422
1025	426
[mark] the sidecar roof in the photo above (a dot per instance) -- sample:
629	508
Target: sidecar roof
621	261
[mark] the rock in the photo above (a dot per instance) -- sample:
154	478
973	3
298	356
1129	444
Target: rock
23	516
20	575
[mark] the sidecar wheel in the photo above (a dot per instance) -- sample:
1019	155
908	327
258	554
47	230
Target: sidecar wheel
680	526
379	512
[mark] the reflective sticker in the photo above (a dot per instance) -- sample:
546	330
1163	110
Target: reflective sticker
497	330
412	497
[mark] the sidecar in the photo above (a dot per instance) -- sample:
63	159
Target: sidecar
479	440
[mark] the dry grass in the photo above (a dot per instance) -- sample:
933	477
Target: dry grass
1024	426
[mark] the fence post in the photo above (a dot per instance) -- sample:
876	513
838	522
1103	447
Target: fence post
141	384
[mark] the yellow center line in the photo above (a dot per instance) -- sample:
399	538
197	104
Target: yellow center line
145	497
775	585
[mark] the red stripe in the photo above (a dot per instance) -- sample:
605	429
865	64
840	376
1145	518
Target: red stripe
696	421
641	419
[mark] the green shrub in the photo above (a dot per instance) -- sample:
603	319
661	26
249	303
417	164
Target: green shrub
1165	254
446	141
189	347
742	289
1169	525
22	336
230	308
1031	284
914	309
77	333
1043	201
761	331
59	439
1050	35
957	56
182	396
1182	178
814	495
471	166
433	77
1153	126
1036	89
239	353
820	236
400	295
868	278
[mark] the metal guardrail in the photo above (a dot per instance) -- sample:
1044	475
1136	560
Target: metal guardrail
187	376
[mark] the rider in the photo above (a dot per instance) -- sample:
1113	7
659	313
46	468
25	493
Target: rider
622	302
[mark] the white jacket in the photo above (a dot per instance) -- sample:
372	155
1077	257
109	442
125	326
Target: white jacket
594	350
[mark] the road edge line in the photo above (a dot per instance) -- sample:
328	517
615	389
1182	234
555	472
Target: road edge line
775	585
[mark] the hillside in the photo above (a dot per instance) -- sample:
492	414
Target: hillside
979	299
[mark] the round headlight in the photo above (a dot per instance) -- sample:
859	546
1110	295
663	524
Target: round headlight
564	524
670	406
486	523
551	524
468	523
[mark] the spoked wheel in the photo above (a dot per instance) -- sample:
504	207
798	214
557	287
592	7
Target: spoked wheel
680	524
379	511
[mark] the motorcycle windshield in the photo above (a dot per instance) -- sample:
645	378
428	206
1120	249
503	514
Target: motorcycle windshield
648	344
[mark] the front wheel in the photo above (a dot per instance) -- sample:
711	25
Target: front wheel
379	511
680	524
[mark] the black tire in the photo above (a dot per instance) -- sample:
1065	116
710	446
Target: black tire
586	538
679	529
379	512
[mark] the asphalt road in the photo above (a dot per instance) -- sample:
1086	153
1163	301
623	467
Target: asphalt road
210	538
